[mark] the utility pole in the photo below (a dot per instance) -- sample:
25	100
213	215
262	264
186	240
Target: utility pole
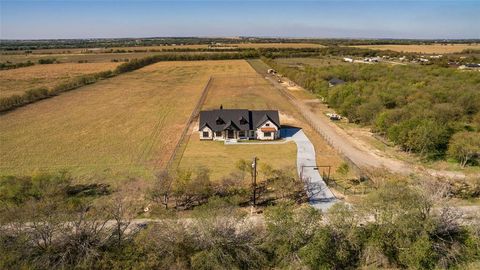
254	180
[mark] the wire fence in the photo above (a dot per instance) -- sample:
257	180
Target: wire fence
310	118
181	145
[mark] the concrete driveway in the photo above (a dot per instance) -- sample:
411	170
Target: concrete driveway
318	192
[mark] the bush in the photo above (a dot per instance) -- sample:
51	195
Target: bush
47	61
465	147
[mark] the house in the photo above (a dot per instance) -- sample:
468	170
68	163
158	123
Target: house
234	124
346	59
335	81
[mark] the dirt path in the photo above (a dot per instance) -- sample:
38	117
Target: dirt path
354	151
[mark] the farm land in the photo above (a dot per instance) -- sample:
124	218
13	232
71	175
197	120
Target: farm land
75	55
17	81
250	90
123	126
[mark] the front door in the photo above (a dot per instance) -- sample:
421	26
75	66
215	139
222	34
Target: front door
230	134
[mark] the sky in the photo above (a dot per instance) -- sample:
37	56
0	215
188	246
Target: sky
427	19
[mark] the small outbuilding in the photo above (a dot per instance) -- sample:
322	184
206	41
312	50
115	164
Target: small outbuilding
335	81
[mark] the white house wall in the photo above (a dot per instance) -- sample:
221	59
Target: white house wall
210	133
267	124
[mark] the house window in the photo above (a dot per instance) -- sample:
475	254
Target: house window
205	134
243	121
241	134
218	134
219	121
267	124
267	134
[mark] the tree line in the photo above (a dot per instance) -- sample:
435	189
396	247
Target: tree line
429	110
47	222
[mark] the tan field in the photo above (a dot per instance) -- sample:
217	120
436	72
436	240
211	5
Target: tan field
17	81
119	127
429	49
88	57
162	47
250	91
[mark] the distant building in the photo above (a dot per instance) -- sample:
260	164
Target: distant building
372	59
271	71
346	59
234	124
470	66
335	81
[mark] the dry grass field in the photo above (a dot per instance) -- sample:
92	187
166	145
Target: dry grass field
428	49
249	90
72	57
162	47
17	81
221	158
88	57
310	61
119	127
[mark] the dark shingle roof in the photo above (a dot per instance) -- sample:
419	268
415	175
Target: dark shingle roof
335	81
219	120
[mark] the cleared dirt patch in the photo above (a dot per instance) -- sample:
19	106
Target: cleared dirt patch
123	126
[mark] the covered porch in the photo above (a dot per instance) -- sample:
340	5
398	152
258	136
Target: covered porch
232	134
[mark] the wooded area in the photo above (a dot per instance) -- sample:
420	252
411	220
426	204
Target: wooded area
419	108
47	222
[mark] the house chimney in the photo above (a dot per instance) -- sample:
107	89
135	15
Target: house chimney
221	107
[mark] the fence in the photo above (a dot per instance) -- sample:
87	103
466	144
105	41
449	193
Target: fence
307	115
179	149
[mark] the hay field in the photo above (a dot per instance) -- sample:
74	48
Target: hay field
17	81
428	49
163	47
310	61
250	91
119	127
88	57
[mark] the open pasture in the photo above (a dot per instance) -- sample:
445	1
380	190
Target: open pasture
17	81
74	57
124	126
166	47
84	57
427	49
310	61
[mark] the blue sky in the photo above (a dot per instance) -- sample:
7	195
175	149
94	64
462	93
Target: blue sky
323	19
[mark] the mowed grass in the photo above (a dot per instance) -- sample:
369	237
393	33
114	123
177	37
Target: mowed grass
249	90
431	48
126	126
17	81
221	159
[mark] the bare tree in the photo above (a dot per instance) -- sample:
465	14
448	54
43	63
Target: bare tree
160	192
